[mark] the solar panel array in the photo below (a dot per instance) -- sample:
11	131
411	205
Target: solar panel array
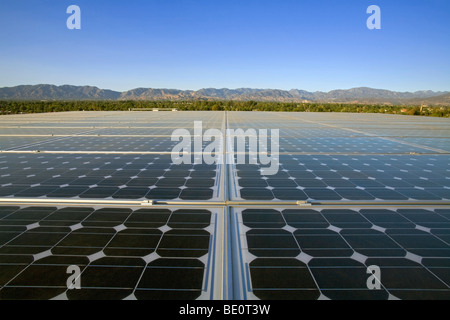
99	191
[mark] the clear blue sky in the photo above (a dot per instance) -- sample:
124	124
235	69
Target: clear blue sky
192	44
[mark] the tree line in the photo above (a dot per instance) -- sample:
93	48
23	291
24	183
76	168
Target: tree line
17	107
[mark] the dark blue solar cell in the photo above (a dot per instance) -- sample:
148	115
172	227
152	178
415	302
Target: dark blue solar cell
262	218
252	183
256	194
67	192
99	192
289	194
386	194
272	243
197	194
311	183
163	193
130	193
305	219
354	194
322	194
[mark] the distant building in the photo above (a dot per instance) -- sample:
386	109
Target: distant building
152	109
164	109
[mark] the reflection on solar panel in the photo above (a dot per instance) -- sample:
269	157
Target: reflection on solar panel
99	191
105	176
338	177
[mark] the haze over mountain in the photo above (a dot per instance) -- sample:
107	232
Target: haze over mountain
354	95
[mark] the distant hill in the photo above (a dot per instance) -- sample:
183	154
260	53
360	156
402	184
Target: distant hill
354	95
443	100
51	92
156	94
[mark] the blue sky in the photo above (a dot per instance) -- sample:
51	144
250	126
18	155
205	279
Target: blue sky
316	45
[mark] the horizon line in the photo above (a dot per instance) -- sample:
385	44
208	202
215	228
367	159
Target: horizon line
225	88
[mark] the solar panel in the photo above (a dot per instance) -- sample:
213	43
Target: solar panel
105	176
344	177
325	253
99	191
122	252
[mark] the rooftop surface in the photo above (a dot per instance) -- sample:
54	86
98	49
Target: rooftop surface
100	191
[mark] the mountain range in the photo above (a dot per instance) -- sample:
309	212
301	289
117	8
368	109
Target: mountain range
354	95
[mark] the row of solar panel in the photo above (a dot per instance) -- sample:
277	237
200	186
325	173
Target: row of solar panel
167	253
124	143
300	177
